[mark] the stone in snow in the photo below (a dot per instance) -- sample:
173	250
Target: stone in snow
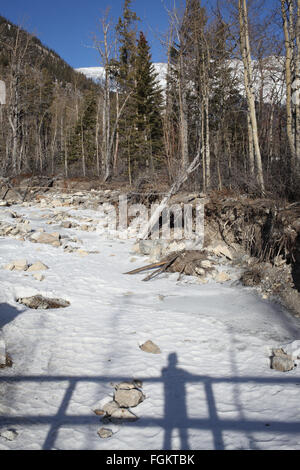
38	266
20	265
45	238
150	347
129	398
123	414
282	364
110	408
105	433
9	435
40	302
126	386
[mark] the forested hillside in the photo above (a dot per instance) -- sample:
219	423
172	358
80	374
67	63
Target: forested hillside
45	98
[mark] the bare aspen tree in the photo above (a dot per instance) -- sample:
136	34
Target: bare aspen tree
248	79
104	49
296	90
18	50
287	19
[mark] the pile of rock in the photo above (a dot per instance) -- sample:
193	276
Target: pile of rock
127	395
22	265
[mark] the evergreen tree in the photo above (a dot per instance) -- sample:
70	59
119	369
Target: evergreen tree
126	31
148	102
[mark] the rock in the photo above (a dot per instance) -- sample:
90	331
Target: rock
282	364
66	225
105	433
2	350
9	267
126	386
123	414
220	249
9	435
20	265
45	238
55	235
99	412
129	398
39	302
222	277
110	407
150	347
38	266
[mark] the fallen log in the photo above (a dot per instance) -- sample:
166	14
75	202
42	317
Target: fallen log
146	268
174	189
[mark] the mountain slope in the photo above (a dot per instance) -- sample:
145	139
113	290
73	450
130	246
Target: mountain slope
268	77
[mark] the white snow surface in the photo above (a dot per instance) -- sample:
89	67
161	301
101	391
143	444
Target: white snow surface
210	388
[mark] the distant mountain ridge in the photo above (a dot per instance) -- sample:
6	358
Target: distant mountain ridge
38	55
268	77
98	73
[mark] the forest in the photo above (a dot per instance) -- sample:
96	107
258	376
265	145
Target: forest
231	102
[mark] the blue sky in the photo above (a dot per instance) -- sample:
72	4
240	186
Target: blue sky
67	26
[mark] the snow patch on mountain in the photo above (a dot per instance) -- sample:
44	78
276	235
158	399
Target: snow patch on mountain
268	77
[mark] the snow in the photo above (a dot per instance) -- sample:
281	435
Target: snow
268	77
211	388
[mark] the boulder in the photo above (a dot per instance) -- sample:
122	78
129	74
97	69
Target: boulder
128	398
110	408
105	433
282	363
66	224
45	238
38	266
40	302
150	347
20	265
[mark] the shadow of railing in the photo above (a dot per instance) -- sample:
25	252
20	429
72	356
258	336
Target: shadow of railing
174	381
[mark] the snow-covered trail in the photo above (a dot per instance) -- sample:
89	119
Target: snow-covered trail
211	388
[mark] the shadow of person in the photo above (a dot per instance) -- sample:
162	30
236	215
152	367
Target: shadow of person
8	314
175	411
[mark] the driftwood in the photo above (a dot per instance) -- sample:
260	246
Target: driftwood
161	265
183	262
